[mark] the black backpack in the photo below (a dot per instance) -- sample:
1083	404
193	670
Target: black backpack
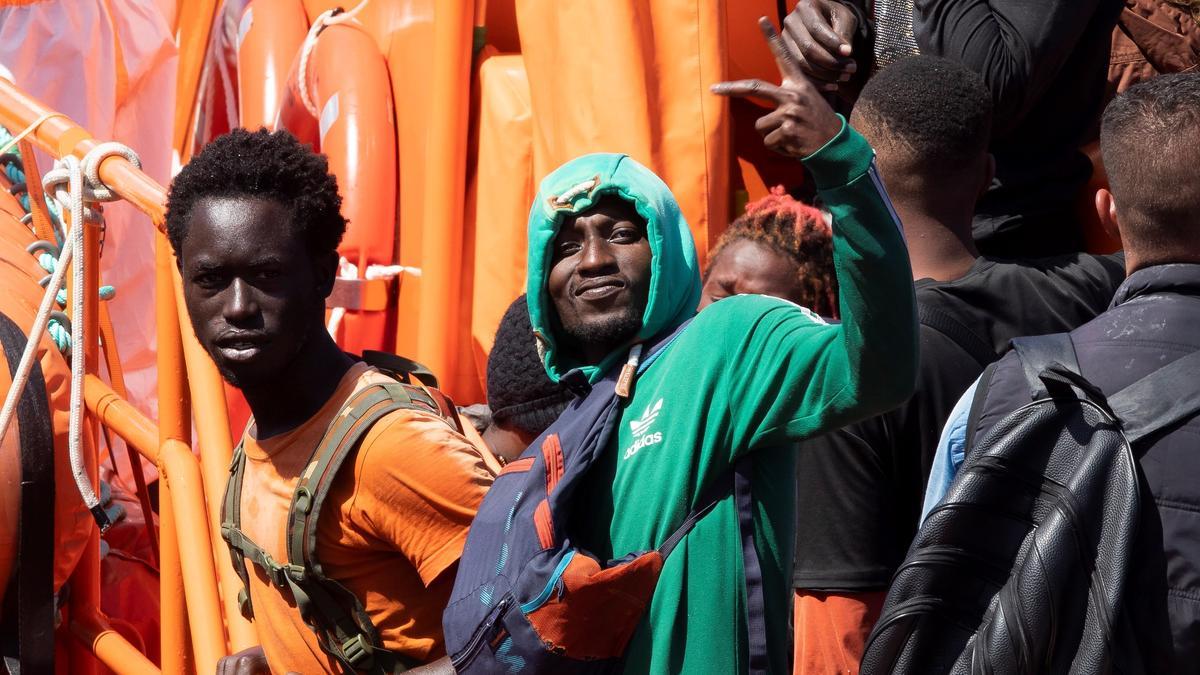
1022	567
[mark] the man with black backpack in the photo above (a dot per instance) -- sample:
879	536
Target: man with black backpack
1088	438
351	493
649	528
859	489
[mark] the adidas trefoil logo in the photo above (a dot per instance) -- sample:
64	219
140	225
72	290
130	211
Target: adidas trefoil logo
641	430
641	426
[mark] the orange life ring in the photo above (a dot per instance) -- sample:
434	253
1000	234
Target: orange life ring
348	82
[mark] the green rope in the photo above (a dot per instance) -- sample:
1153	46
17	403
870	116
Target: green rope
60	334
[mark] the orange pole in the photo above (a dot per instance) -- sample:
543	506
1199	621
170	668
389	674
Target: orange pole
60	136
173	424
445	184
181	471
110	647
116	375
216	452
195	24
121	417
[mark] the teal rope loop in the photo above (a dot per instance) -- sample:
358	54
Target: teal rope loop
60	334
48	262
106	293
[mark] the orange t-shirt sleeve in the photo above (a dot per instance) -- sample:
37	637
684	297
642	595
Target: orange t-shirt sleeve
419	484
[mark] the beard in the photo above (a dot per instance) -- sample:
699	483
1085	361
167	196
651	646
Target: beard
611	331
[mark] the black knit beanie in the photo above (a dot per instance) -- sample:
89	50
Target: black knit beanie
519	392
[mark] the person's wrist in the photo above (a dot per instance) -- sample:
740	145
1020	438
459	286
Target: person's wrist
828	131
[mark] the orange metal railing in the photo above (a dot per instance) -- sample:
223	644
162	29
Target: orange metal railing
198	628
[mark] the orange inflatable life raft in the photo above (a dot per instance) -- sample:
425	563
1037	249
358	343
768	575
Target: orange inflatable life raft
19	275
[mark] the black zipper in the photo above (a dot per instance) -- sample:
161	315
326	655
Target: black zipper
467	654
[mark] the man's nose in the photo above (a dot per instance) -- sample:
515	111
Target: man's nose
597	257
240	304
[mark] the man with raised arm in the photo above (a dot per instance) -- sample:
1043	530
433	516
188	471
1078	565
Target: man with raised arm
612	265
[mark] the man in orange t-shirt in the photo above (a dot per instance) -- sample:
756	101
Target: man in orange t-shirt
255	223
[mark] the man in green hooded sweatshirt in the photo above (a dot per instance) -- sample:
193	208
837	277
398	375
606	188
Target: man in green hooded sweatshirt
612	264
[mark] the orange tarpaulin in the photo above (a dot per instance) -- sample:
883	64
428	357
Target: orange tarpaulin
596	78
115	75
503	185
632	76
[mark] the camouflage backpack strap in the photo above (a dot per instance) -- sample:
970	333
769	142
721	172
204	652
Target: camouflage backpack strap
240	546
341	623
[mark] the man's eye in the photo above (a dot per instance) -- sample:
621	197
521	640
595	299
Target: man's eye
626	235
268	274
568	248
208	280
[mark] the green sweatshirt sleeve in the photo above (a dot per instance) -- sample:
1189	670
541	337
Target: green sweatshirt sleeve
790	375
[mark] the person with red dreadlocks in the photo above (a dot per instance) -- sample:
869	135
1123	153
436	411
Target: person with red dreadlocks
779	247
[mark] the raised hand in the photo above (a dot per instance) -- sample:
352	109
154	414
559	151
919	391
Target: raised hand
820	32
802	121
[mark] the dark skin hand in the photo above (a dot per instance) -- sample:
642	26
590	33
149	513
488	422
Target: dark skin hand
820	33
802	122
250	661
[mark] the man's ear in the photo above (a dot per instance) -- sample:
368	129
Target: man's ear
989	174
1106	210
325	268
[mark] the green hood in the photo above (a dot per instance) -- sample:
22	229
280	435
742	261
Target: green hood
674	276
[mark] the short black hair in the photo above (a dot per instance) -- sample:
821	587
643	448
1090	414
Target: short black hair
938	111
1150	140
262	164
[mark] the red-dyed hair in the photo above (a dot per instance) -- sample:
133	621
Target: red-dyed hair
799	232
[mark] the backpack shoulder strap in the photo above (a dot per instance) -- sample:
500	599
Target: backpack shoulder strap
402	368
343	627
1162	398
240	546
967	339
1042	356
737	480
975	412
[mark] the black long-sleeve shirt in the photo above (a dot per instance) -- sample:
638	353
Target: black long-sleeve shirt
859	489
1046	63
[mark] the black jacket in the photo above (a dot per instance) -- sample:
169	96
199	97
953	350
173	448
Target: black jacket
1154	320
1046	64
860	489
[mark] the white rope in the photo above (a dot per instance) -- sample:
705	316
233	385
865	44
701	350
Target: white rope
67	183
35	336
75	201
330	17
348	270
